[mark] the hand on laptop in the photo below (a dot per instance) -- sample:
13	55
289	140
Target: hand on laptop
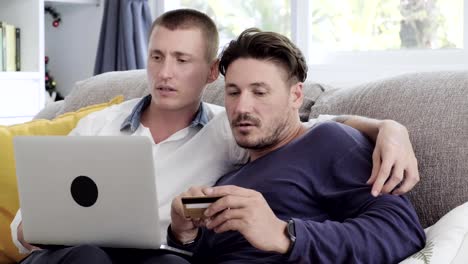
22	241
185	229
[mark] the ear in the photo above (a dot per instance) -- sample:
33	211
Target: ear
214	71
296	95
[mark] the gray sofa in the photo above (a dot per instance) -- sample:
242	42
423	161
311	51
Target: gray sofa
433	106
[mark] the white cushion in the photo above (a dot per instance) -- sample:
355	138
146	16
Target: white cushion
462	256
447	240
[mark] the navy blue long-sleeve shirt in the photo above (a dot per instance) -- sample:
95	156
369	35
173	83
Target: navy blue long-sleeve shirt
319	180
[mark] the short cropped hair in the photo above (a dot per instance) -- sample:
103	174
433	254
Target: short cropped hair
188	19
256	44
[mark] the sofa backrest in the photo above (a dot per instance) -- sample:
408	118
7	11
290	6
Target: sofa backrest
133	84
101	88
434	108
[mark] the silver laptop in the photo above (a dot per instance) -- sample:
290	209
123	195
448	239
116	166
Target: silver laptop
88	190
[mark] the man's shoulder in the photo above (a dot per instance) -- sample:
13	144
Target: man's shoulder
124	108
109	118
338	136
330	128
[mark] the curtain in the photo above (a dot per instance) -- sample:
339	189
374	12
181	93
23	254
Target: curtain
123	40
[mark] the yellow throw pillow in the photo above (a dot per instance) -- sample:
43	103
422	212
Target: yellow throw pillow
9	203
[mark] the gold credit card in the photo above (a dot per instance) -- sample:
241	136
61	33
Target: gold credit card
195	206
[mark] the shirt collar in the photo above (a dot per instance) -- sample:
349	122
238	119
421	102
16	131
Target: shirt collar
132	122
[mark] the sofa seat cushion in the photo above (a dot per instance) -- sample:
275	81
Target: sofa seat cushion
434	108
9	203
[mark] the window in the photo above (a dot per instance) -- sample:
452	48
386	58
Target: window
387	24
352	35
234	16
386	33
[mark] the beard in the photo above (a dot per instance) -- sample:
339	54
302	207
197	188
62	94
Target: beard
269	138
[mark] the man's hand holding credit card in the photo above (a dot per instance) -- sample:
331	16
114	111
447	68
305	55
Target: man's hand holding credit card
195	206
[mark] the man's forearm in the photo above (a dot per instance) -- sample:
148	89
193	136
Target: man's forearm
369	126
387	232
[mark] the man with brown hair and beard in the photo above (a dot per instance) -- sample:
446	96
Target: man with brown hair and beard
303	196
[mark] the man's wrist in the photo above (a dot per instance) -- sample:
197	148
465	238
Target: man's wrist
185	237
283	242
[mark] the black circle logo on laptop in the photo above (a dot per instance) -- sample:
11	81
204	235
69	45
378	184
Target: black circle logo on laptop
84	191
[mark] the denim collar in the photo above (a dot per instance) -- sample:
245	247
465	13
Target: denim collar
132	122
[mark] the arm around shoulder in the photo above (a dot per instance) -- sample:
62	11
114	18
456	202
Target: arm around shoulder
394	160
357	226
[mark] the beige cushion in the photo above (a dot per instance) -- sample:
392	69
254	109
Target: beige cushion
434	108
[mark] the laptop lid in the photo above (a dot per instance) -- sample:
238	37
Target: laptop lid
98	190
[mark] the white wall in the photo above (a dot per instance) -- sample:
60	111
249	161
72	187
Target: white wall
72	46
